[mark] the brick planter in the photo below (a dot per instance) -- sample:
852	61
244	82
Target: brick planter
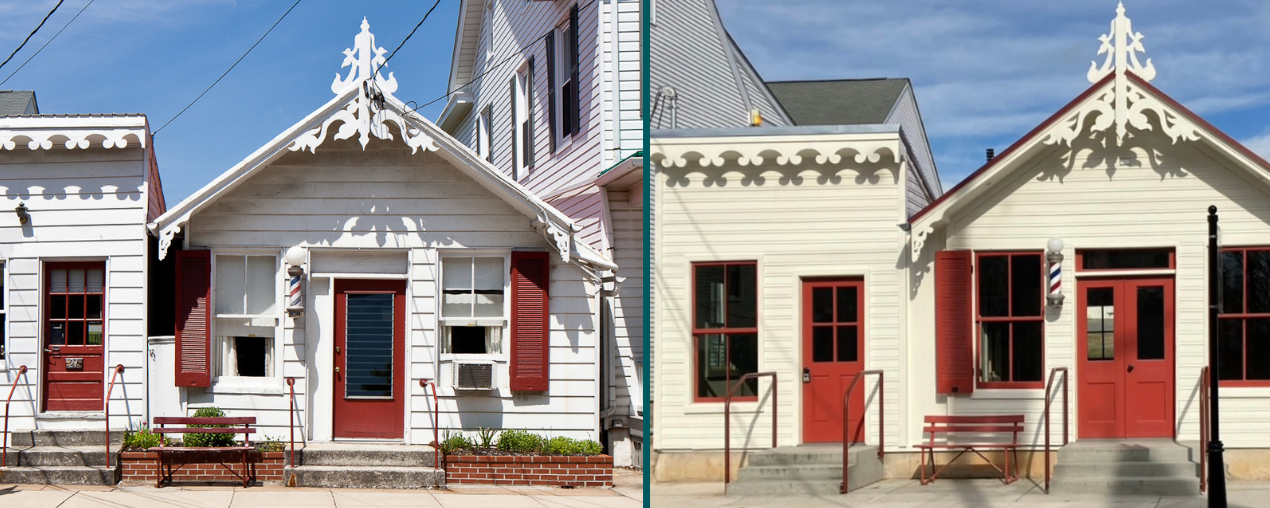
593	471
202	466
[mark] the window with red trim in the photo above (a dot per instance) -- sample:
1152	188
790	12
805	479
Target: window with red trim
1010	319
75	293
1243	327
725	328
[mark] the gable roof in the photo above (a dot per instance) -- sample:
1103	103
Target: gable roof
357	114
18	102
714	84
1015	156
839	101
466	38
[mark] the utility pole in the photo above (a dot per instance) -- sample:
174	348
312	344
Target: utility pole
1216	466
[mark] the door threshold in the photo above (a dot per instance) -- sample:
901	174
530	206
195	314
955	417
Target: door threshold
367	440
71	415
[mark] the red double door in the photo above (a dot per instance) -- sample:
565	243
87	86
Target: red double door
370	389
833	353
1125	352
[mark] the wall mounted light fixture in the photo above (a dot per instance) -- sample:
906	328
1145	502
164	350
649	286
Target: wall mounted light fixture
23	216
295	258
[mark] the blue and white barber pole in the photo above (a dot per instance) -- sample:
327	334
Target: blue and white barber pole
1054	255
295	295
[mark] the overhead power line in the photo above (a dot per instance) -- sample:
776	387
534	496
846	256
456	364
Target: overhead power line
403	41
28	36
222	76
46	43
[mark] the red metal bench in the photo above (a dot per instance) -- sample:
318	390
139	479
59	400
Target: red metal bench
979	426
245	430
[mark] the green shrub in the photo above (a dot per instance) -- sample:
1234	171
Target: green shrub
271	444
197	440
589	447
569	446
143	439
455	442
487	438
520	441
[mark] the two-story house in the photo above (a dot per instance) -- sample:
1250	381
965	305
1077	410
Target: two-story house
549	93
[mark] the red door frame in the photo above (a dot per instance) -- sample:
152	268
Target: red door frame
1121	385
63	389
822	411
370	418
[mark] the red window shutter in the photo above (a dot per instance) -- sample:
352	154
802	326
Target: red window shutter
193	318
954	324
530	356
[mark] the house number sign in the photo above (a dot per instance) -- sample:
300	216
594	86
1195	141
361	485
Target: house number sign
74	364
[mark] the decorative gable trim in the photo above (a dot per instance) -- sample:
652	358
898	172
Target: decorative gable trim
708	151
42	132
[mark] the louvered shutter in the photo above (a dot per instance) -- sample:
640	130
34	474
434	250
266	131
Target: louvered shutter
954	323
193	318
530	312
511	117
551	88
529	115
575	105
489	132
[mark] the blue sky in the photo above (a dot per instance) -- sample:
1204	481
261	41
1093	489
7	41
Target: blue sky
988	71
155	56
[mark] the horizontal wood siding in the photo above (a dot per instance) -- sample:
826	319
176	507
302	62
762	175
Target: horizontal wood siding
796	222
628	307
621	90
84	204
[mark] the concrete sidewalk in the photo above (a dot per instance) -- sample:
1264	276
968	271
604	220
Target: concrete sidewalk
274	496
946	493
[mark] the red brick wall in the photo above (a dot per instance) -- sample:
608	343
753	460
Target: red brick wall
202	466
595	471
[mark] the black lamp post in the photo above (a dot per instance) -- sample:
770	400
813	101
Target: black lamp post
1216	467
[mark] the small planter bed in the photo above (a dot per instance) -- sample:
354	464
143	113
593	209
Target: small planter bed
522	458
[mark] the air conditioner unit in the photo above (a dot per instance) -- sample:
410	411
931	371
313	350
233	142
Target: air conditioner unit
473	376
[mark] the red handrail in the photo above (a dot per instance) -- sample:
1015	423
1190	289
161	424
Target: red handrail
1204	386
291	418
727	420
436	418
1049	386
846	426
111	388
4	452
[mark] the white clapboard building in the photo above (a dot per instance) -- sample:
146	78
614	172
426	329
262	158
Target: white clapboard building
549	93
820	253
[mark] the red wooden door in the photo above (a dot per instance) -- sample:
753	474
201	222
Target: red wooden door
1126	361
833	353
74	336
370	392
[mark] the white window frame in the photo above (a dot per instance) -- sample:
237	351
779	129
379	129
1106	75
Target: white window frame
248	384
482	134
505	322
563	138
520	123
487	32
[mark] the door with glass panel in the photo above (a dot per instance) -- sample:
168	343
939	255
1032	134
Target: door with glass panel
74	336
370	391
833	353
1125	349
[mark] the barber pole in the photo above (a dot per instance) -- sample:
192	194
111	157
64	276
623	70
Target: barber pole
293	292
1056	279
1054	255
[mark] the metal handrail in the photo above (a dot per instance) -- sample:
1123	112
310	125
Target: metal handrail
111	388
846	420
1204	435
436	419
291	418
727	420
4	451
1049	387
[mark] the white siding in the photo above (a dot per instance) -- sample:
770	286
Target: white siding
628	311
386	198
85	205
629	127
797	221
1108	198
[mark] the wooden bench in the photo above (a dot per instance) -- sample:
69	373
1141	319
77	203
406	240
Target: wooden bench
244	429
979	426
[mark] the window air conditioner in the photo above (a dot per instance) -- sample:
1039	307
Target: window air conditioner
473	376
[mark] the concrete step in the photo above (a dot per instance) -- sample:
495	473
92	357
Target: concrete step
403	456
43	456
1142	450
805	470
1127	485
784	488
804	455
1080	470
799	472
60	475
47	437
377	477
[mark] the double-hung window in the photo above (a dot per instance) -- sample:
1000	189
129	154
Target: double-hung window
725	328
246	301
522	133
483	148
1243	327
473	310
1010	319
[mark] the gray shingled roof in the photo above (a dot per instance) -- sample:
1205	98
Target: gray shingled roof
839	102
17	102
